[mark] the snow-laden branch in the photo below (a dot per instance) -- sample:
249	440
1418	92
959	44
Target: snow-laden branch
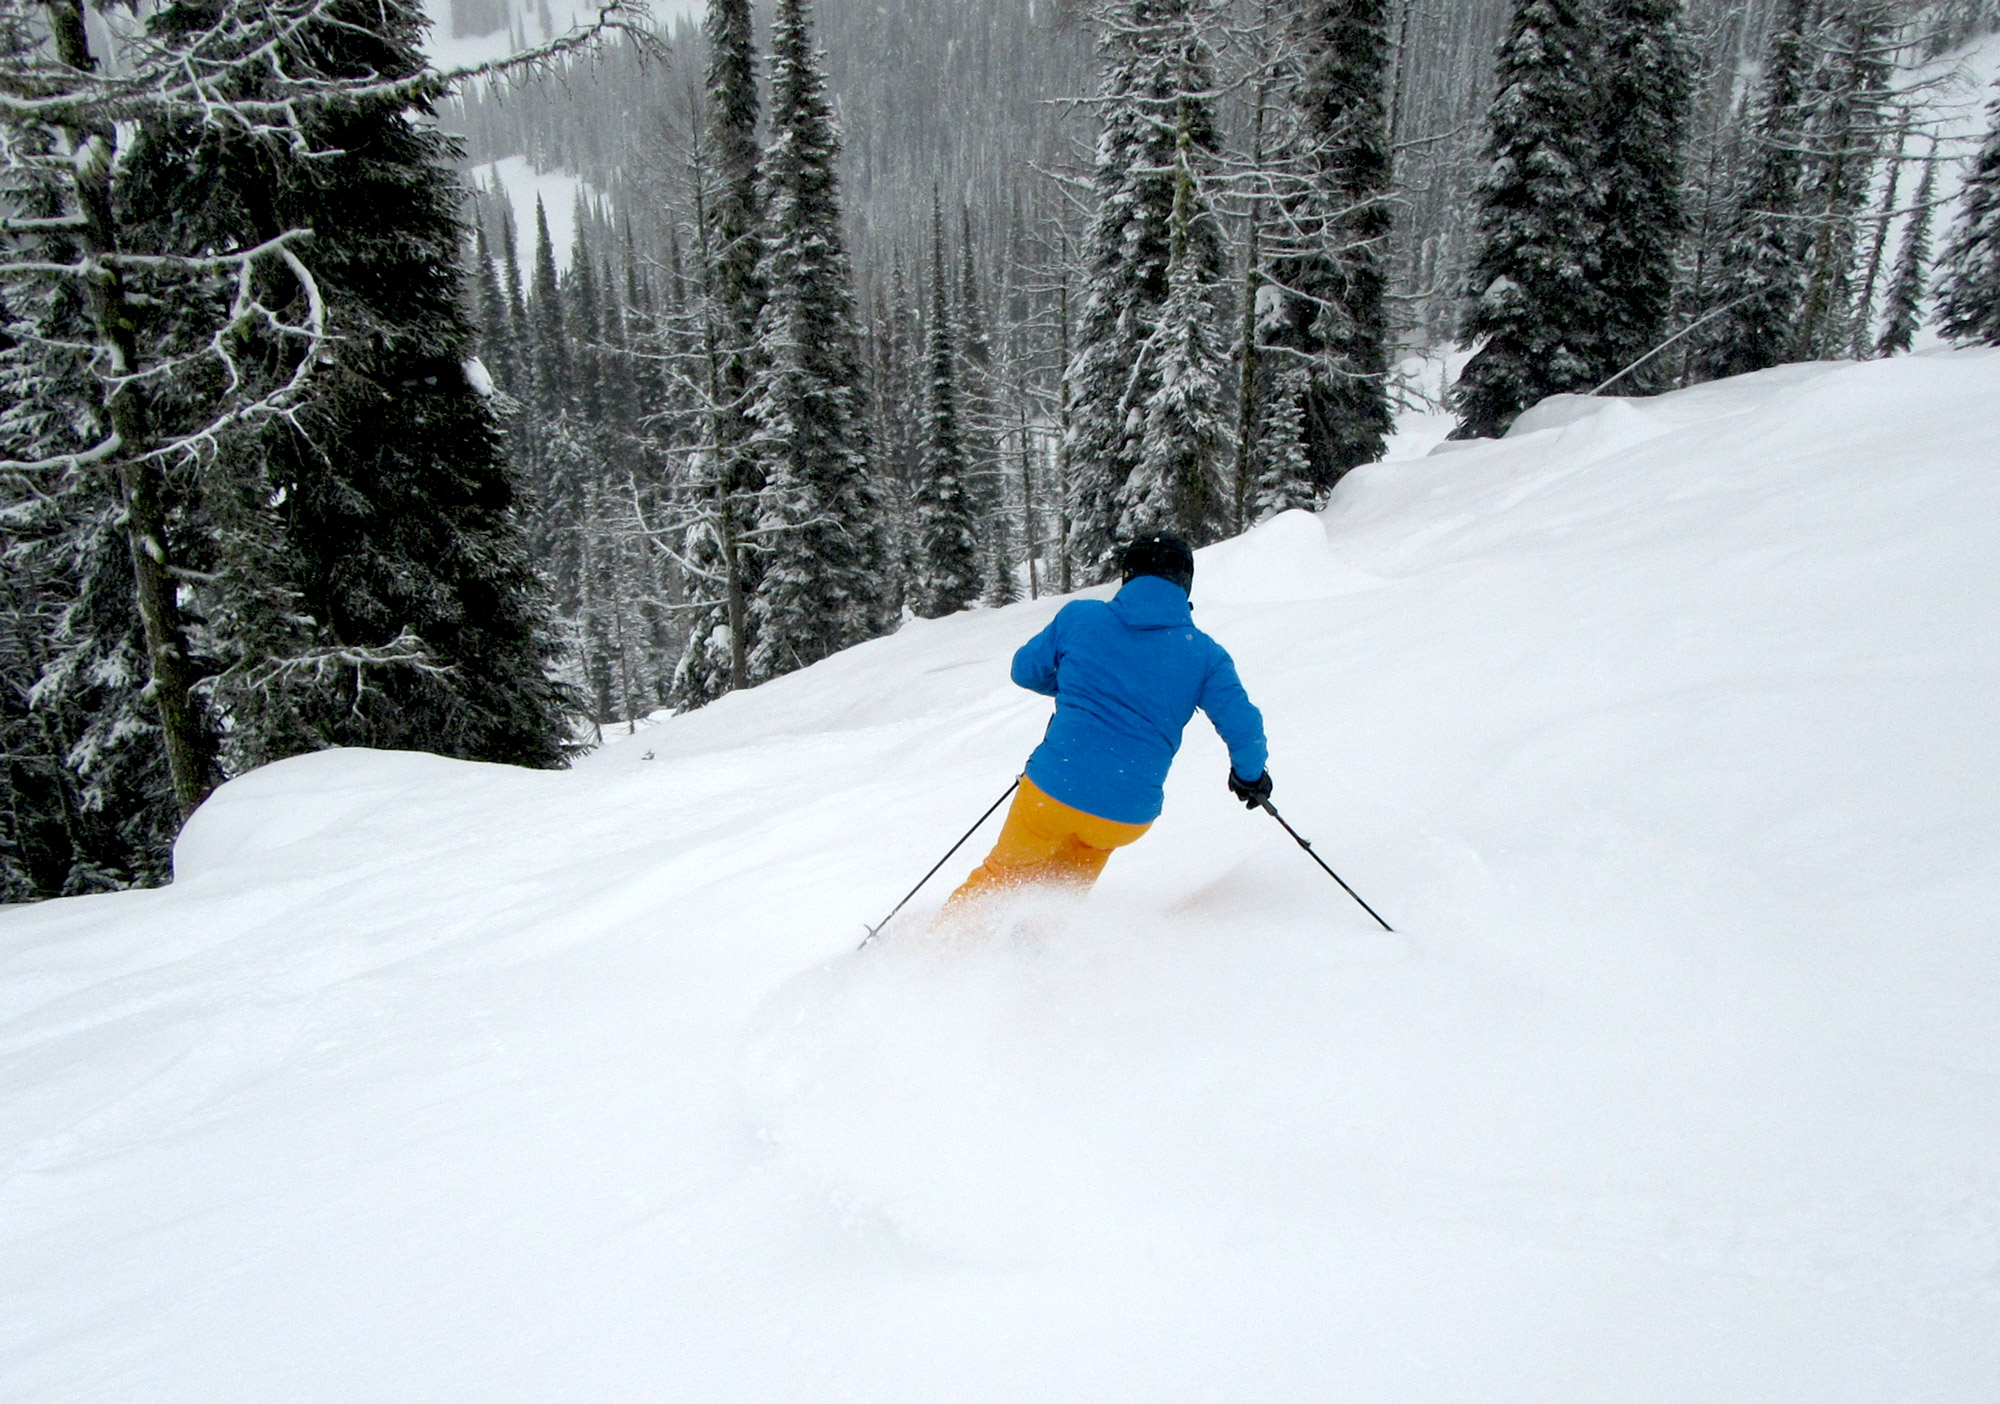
192	76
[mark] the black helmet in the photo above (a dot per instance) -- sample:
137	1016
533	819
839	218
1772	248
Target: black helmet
1158	553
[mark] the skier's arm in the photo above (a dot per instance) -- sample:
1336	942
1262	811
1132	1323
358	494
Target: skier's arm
1035	661
1235	717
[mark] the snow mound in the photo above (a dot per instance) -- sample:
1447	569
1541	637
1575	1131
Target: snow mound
1666	732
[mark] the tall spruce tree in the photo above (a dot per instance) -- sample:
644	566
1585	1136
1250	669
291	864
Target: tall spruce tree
1157	86
1848	93
496	335
1644	85
1969	281
299	531
1904	312
1284	460
1863	329
822	587
371	564
944	575
547	324
1334	315
1177	483
1755	296
1537	308
735	243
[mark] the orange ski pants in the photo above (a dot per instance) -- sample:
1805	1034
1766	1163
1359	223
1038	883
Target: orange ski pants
1045	841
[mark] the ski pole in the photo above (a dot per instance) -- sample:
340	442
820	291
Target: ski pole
874	930
1303	843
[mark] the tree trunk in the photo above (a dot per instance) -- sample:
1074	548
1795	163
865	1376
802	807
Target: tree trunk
1032	544
1246	390
732	554
171	673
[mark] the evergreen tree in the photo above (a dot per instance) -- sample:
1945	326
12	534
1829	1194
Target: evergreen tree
1906	290
1333	312
1860	345
736	244
546	321
1969	282
1285	478
584	326
1177	484
976	385
1157	87
1848	91
1003	587
822	587
1537	309
1755	297
1644	86
945	570
517	306
725	473
90	803
371	570
496	336
713	505
737	208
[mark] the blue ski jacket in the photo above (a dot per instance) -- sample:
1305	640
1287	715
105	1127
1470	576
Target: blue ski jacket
1127	675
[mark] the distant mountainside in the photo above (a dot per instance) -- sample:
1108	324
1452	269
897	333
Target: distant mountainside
987	100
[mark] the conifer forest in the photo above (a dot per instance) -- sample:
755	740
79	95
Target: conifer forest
322	424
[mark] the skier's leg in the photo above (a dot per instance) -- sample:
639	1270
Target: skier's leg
1028	840
1081	857
1044	841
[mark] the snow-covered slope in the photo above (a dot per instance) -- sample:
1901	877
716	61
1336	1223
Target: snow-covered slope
1667	737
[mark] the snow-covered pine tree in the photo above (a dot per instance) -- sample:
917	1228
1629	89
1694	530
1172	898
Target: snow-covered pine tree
723	474
1157	83
980	406
944	571
1848	93
736	210
1754	297
1252	394
114	793
1969	270
1903	313
90	802
1285	470
511	283
388	600
821	519
1003	586
709	516
1536	307
584	325
977	385
1862	323
221	396
1643	89
547	326
736	206
1177	484
1330	248
496	334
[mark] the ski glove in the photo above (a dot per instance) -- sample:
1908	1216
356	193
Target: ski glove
1252	792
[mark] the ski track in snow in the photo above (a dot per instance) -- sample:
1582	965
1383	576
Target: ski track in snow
1665	733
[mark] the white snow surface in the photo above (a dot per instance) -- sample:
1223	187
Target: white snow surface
1667	736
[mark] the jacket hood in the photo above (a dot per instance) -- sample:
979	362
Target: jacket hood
1148	602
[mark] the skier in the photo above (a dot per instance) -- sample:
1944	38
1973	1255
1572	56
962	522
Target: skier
1126	675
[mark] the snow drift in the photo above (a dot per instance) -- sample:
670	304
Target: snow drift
1666	734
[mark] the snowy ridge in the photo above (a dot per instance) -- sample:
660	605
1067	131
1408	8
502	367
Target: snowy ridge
1667	733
